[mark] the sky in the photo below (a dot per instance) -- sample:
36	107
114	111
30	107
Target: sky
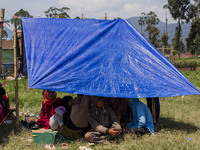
90	8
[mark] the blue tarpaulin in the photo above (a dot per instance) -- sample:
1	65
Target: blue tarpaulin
98	57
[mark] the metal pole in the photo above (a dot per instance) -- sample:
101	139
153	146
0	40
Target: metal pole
1	32
15	72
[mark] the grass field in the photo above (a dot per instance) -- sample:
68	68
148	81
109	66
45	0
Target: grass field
179	123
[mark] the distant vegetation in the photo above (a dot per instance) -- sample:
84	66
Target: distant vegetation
191	63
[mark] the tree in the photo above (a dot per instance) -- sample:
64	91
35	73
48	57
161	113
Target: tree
151	20
177	38
117	18
180	10
54	12
141	22
23	13
165	39
77	17
4	35
194	12
20	13
196	42
182	47
193	36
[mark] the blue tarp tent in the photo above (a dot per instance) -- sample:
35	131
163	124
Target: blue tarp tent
98	57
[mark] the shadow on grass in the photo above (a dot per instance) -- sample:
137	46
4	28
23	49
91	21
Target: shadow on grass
7	129
169	123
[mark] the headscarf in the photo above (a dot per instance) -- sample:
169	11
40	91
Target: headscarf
48	101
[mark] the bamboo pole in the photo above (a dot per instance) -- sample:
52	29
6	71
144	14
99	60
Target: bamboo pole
163	48
1	34
15	72
171	55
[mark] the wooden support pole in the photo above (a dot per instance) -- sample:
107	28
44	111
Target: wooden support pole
106	16
15	72
82	16
163	48
1	34
171	55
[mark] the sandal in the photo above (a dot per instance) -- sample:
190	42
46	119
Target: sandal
33	125
64	146
50	146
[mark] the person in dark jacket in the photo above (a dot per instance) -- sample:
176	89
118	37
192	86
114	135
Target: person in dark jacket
103	121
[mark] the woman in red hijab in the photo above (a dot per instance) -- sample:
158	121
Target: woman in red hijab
48	106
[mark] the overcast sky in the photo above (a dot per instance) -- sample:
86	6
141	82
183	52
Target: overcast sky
90	8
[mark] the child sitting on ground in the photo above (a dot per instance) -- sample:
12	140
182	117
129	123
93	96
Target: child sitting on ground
56	121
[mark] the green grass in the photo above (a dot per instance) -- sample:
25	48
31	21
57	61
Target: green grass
179	120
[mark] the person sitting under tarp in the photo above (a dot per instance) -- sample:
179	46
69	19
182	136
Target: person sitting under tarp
121	109
4	102
142	122
1	114
56	121
78	99
78	116
76	124
48	106
103	121
5	110
154	106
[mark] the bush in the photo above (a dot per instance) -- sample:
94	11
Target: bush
192	65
